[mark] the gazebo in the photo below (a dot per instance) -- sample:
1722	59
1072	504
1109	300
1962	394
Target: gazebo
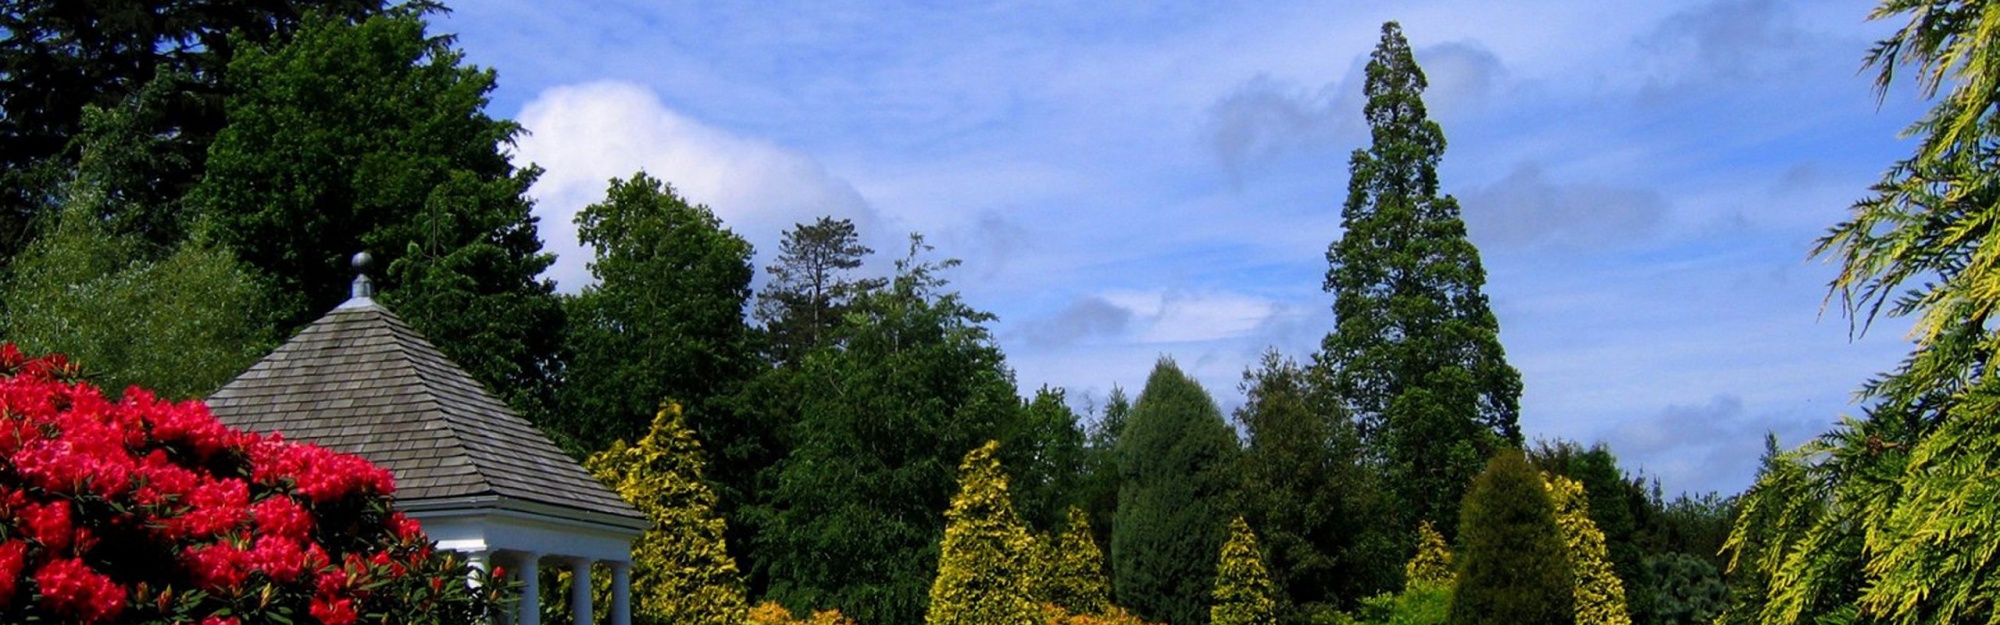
479	478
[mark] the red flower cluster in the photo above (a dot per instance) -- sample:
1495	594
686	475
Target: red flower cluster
122	511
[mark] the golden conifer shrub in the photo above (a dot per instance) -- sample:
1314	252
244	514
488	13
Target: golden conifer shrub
1069	569
1432	564
1242	587
1600	597
984	563
681	569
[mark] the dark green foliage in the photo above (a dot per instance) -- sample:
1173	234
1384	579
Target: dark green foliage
1099	483
1045	448
1687	590
58	58
1416	354
801	307
1612	498
1178	462
1513	565
373	137
1305	485
883	416
664	321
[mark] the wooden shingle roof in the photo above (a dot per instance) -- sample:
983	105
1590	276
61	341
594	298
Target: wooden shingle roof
361	381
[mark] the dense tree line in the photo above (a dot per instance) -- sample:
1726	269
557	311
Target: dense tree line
184	184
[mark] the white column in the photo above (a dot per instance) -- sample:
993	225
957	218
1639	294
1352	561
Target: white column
477	560
579	591
531	590
621	593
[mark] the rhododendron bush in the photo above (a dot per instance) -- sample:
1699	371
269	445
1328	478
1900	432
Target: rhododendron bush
147	511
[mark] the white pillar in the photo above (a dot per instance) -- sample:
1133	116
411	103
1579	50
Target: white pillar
621	593
579	591
531	590
477	561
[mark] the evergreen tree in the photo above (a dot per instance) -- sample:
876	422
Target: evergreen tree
1616	504
62	58
1513	566
1242	589
1071	572
1178	459
664	320
1600	596
809	291
1304	483
882	415
1416	353
982	575
1889	517
1046	453
1100	482
681	569
373	136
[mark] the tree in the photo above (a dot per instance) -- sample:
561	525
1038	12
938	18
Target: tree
1178	461
372	136
882	416
1415	354
1600	596
62	58
1887	517
1612	499
1242	589
1432	564
983	568
1304	483
1100	481
1071	572
1513	566
809	289
1689	590
664	321
183	325
681	569
1047	456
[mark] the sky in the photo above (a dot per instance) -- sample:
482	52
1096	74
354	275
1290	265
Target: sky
1127	181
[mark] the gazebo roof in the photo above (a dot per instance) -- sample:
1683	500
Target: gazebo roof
361	381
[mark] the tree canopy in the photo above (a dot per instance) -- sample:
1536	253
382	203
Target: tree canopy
1177	461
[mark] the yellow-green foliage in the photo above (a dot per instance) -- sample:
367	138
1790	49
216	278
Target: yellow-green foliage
1069	572
772	613
1242	587
1600	597
982	574
681	569
1432	564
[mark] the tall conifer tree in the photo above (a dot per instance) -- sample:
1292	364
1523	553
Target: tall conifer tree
1514	568
1416	353
1178	461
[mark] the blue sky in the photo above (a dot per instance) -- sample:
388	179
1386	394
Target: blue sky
1126	181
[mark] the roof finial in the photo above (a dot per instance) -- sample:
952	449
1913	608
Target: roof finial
363	287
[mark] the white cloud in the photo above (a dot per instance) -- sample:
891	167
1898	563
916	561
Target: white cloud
585	135
1177	317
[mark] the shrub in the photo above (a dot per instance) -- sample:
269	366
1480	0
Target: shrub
1432	564
982	574
1599	596
146	511
1070	571
772	613
1242	587
681	569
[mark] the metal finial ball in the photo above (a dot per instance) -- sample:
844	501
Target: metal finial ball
362	261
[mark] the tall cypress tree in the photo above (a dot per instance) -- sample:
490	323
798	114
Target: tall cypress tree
1177	459
1416	353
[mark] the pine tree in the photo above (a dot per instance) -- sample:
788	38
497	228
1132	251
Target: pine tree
1242	588
983	576
1070	574
1432	565
1513	566
681	569
1600	596
809	290
1415	354
1178	461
